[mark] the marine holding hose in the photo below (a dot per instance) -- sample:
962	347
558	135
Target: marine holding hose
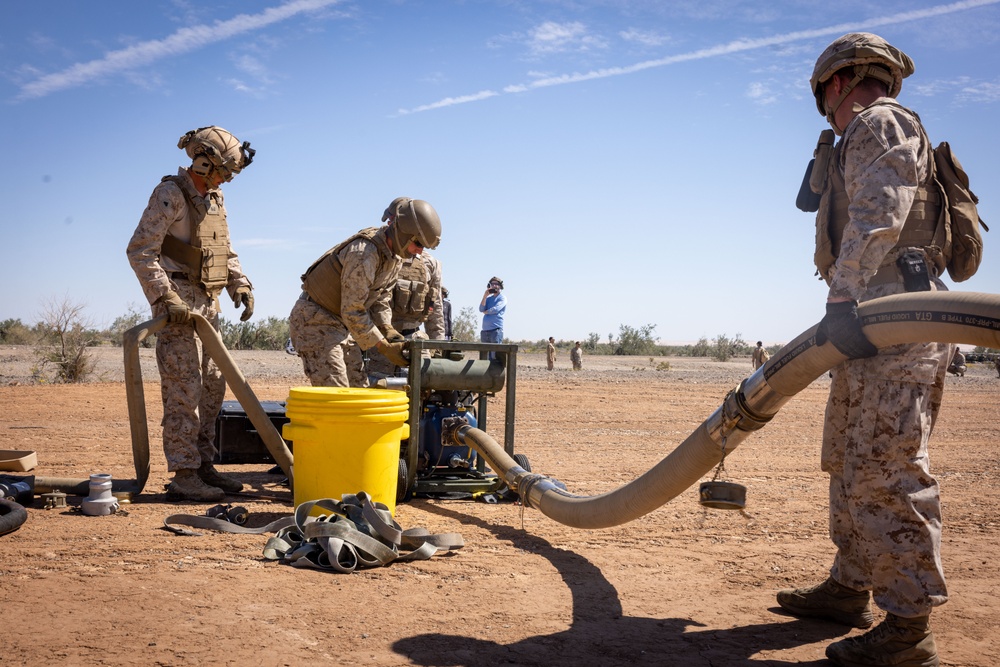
877	233
181	254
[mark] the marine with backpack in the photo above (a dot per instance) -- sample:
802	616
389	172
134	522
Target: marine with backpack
944	219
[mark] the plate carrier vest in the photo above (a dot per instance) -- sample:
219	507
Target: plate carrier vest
924	226
321	281
206	258
411	297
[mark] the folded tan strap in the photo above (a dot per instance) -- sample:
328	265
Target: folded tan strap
174	521
358	533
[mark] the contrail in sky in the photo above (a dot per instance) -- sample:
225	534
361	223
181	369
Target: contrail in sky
710	52
182	41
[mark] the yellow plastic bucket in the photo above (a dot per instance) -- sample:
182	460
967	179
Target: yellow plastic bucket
346	440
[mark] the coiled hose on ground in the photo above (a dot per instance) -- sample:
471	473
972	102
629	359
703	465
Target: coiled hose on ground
946	317
12	516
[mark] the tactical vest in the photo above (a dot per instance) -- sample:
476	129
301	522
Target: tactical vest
321	281
924	226
206	258
411	297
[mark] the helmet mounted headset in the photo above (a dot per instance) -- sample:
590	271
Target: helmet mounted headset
215	150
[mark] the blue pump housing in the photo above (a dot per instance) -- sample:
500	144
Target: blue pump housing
438	454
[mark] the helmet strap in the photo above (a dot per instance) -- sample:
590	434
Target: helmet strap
398	246
831	110
860	73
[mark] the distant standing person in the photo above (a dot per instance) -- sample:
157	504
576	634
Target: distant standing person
446	312
550	354
957	365
576	356
493	306
760	355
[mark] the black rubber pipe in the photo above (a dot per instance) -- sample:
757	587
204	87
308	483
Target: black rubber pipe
12	516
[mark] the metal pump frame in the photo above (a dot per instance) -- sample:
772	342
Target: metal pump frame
506	354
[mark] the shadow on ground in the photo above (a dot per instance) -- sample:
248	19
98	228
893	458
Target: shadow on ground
600	634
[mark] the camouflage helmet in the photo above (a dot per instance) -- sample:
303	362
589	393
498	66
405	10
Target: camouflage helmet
215	149
884	62
412	220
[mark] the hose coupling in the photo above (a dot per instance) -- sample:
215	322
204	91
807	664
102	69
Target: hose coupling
533	486
737	412
19	490
453	430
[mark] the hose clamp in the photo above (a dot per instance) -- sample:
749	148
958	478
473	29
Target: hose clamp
738	414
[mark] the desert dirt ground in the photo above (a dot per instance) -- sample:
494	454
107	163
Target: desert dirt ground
684	585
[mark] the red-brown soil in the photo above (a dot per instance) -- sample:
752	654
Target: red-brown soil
683	585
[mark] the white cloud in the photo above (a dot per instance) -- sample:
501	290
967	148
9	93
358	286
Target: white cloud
552	37
963	89
184	40
643	37
254	69
451	101
554	34
932	88
760	93
987	91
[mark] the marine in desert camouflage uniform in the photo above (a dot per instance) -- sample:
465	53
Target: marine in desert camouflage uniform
876	236
550	353
760	356
175	252
416	300
347	291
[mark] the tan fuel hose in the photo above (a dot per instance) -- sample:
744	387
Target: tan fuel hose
135	396
946	317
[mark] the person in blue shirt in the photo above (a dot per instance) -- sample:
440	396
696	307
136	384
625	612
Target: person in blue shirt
493	306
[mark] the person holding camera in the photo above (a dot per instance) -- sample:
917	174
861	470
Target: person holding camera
493	306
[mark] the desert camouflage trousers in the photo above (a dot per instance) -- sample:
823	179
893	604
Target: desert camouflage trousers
330	358
885	512
191	384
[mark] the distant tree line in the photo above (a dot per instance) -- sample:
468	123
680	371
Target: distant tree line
63	334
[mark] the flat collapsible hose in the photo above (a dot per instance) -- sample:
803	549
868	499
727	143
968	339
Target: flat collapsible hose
944	317
134	392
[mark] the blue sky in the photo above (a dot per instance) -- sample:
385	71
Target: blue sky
615	162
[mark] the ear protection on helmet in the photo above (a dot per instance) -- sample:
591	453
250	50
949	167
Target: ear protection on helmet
213	148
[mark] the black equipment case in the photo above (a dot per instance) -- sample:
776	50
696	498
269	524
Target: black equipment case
236	438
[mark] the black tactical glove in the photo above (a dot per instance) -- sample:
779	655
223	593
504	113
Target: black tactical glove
393	336
244	297
842	327
178	312
394	352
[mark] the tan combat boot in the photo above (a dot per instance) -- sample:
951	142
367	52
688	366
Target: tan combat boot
895	642
213	477
829	600
187	485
